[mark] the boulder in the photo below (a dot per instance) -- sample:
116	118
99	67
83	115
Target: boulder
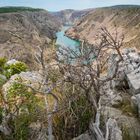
12	61
32	79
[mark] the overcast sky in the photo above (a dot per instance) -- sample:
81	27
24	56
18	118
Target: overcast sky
55	5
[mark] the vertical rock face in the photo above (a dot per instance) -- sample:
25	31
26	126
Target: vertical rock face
22	32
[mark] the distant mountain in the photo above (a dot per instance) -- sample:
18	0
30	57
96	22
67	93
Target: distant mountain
125	17
11	9
22	30
70	16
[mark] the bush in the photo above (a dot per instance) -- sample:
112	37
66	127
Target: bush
2	64
15	69
2	80
26	104
9	70
75	119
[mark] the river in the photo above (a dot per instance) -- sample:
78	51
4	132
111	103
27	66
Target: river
65	41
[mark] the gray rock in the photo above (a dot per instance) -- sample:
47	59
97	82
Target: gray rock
129	70
114	131
12	61
83	137
112	98
127	123
32	79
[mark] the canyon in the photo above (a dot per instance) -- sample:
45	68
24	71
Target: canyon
124	19
32	35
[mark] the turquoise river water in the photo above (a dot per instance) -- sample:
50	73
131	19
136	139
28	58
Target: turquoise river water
65	41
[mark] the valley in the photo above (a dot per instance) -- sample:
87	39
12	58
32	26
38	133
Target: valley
43	96
123	18
64	41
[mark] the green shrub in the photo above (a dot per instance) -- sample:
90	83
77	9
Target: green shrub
2	80
15	69
2	63
19	97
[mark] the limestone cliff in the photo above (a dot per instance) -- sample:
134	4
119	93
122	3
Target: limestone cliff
21	32
125	18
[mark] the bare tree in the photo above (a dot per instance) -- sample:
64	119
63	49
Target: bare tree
87	67
40	57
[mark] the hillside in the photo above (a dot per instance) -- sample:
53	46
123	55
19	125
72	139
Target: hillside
69	16
10	9
69	92
22	32
125	18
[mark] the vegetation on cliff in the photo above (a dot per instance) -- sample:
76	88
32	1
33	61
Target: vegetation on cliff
18	9
72	92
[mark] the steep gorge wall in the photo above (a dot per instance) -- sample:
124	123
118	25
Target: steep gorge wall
69	16
22	32
126	19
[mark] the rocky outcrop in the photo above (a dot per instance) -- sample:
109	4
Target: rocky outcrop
129	125
125	18
128	79
22	32
120	109
30	79
128	70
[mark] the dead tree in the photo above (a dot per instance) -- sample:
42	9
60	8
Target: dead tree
40	58
87	67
